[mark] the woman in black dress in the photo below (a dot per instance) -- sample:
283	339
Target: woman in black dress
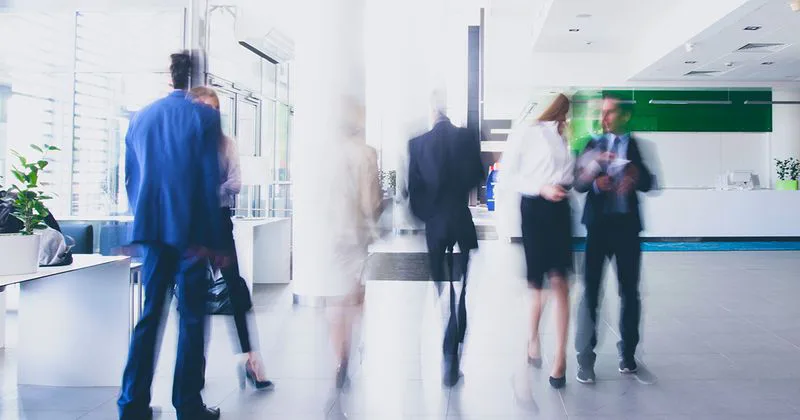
539	166
251	370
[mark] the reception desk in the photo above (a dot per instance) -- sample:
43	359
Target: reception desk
690	213
264	247
74	322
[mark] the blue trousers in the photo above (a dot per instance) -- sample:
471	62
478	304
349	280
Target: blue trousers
162	268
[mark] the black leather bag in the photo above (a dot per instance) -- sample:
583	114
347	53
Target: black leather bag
227	296
219	300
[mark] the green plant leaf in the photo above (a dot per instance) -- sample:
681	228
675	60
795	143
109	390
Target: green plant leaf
37	148
53	148
19	175
43	164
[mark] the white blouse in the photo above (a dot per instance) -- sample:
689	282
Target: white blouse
536	155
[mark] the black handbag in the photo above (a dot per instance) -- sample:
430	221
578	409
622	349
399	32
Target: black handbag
227	296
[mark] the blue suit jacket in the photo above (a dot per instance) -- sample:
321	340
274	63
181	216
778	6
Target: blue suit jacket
172	173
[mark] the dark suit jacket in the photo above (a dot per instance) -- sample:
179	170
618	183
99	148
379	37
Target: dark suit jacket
594	210
172	173
444	167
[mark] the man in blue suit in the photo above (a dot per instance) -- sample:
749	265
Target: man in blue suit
172	177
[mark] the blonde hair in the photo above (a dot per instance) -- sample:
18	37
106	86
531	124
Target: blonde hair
557	109
201	92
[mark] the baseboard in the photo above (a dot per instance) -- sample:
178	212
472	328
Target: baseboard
696	244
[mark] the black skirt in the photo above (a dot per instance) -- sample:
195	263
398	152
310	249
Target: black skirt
547	238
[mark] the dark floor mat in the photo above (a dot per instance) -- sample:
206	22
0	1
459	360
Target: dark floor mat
402	266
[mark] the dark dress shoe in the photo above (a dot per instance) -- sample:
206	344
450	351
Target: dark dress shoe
140	415
205	413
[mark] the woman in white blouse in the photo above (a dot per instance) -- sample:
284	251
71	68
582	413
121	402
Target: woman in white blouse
539	166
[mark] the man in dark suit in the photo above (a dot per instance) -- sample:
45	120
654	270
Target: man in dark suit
612	172
444	167
172	177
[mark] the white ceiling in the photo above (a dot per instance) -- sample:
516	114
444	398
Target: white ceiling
603	26
716	49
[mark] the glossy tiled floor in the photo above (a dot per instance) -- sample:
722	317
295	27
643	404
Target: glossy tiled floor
721	340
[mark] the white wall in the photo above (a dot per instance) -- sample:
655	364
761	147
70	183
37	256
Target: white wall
785	140
695	160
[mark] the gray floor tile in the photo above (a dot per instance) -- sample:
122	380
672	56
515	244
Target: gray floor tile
763	343
291	397
388	397
40	415
719	348
58	398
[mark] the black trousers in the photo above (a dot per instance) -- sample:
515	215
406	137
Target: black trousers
448	267
616	237
237	288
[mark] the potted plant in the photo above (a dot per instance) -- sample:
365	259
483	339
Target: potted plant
788	171
25	199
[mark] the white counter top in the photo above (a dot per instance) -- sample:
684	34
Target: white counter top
79	262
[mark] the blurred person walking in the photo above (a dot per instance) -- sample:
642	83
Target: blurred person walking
355	201
251	371
539	165
611	171
444	167
172	181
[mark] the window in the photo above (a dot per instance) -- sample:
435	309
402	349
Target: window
36	93
118	69
247	128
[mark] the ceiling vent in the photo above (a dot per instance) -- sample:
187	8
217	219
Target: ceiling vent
762	47
703	73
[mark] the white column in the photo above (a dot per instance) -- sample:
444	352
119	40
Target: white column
329	66
785	139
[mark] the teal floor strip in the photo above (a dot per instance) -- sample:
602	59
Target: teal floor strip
712	246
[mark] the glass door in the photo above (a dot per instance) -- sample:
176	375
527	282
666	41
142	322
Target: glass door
227	111
247	123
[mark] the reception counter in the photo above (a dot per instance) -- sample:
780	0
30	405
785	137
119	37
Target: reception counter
73	322
690	213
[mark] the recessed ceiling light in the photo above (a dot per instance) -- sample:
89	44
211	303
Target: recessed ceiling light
767	63
574	30
583	16
752	28
690	62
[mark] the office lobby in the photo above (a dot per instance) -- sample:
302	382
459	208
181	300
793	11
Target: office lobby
714	89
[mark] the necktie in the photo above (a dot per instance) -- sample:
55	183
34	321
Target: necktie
614	144
615	203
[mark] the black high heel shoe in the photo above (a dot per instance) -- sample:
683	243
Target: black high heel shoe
246	374
558	383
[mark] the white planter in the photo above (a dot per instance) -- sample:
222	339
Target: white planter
20	254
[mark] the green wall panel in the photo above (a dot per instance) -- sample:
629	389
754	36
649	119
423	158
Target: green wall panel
736	117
